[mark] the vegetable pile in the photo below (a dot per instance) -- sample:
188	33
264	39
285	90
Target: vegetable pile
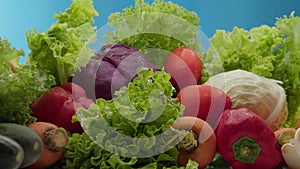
236	105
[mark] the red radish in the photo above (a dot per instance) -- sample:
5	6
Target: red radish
246	141
54	141
205	102
74	89
185	67
59	105
199	143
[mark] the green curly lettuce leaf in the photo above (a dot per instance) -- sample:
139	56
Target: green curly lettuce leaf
288	69
158	25
272	52
20	85
20	89
83	153
132	127
9	55
63	48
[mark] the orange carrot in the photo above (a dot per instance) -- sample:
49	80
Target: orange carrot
199	144
54	141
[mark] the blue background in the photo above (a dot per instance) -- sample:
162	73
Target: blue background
18	16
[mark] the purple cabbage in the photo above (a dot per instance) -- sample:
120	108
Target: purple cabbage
112	67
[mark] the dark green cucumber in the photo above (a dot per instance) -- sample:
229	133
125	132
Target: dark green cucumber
11	153
27	138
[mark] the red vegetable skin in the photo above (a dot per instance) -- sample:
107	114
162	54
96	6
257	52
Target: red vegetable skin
59	105
205	102
245	141
78	94
298	124
184	66
205	151
76	90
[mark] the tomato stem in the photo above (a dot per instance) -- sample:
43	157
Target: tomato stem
246	150
189	141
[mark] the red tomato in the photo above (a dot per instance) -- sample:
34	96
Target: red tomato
185	67
205	102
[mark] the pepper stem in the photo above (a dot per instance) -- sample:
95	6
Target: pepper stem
189	141
246	150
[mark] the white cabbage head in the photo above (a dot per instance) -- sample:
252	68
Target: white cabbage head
265	97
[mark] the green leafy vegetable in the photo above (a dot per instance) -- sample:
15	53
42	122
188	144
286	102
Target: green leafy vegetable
134	126
8	55
82	152
272	52
63	48
191	165
8	52
288	70
20	85
158	25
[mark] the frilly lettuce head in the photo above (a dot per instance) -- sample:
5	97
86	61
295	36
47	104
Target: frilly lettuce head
132	130
63	48
160	25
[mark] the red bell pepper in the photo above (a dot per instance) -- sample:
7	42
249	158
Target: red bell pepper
246	141
60	104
